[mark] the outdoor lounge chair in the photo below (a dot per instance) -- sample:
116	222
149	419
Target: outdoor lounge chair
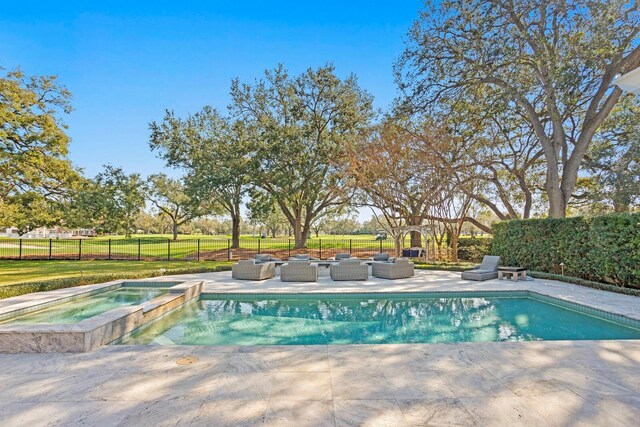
298	271
249	269
262	258
349	269
341	256
303	257
400	268
485	271
383	256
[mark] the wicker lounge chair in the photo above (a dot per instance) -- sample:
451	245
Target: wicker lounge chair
298	271
485	271
303	257
383	256
349	269
262	258
340	256
400	268
250	270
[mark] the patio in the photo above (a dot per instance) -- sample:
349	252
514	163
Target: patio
504	383
529	383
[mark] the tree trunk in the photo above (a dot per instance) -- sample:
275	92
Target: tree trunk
175	230
298	234
416	239
557	203
454	247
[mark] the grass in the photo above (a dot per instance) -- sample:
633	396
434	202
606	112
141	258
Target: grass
12	272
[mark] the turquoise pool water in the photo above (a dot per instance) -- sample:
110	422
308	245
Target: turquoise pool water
363	320
82	308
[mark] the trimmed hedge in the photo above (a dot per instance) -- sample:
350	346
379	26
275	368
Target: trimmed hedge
16	289
443	266
473	249
604	248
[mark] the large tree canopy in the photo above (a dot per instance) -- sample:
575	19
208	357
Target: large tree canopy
176	201
213	150
301	128
553	60
33	142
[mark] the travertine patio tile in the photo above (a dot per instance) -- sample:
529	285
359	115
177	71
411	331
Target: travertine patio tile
359	385
567	408
52	387
296	361
296	413
153	386
417	385
243	363
302	386
503	411
157	413
236	413
527	382
474	382
90	414
587	383
227	386
436	412
37	363
626	409
368	413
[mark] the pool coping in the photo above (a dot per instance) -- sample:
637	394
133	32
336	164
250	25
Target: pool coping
93	332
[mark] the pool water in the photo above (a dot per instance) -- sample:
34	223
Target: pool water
82	308
363	320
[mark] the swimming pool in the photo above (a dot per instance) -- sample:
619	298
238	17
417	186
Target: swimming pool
87	306
306	319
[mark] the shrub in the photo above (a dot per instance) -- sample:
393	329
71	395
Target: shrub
473	249
16	289
604	248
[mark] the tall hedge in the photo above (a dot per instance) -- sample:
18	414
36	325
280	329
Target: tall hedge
604	248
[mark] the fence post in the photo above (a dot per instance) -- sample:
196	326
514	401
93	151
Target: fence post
258	245
349	246
138	249
198	249
79	249
380	245
320	246
168	249
50	244
109	256
289	248
228	249
20	250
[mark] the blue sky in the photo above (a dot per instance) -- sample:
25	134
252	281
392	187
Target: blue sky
125	62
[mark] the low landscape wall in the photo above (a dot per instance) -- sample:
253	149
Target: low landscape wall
603	248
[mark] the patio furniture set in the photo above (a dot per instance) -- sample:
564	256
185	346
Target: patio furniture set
303	268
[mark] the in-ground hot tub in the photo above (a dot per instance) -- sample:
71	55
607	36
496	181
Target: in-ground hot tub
84	307
86	317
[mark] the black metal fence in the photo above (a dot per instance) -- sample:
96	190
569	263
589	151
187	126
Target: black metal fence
185	250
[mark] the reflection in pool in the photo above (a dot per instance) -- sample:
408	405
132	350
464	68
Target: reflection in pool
353	319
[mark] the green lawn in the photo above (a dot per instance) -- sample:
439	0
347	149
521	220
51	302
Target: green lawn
27	271
161	247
